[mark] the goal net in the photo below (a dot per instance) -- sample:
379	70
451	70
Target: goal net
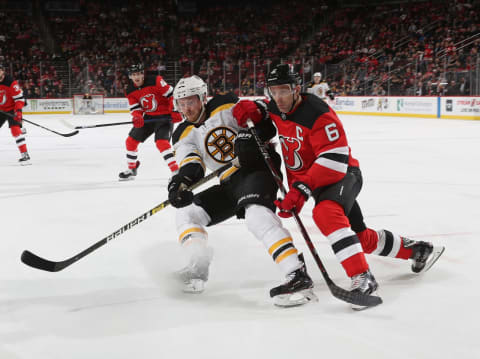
88	106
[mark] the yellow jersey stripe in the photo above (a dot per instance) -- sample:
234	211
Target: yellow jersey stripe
186	132
221	108
190	159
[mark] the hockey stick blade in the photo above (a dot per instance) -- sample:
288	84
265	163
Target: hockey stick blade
67	134
363	300
70	134
35	261
45	128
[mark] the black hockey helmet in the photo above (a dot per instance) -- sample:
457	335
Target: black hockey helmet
135	68
283	74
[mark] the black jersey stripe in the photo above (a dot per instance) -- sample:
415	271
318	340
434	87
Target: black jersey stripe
337	157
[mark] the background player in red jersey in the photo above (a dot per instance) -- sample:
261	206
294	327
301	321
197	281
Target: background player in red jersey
319	164
12	101
151	105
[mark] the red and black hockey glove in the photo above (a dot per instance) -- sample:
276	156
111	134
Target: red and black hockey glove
246	109
178	195
295	198
18	116
137	119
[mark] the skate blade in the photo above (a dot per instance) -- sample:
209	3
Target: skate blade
359	308
436	253
295	299
27	163
131	178
194	286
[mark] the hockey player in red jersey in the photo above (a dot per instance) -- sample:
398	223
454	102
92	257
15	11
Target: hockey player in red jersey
12	101
151	106
319	164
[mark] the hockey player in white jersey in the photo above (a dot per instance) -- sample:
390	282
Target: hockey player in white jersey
209	138
320	88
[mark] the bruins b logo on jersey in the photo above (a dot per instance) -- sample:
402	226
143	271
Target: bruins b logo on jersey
219	144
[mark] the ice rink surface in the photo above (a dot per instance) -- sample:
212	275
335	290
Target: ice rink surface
421	179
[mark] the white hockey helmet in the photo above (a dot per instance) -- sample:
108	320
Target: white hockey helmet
317	74
190	86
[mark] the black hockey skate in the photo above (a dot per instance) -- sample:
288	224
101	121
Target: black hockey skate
25	159
363	283
129	174
424	254
297	290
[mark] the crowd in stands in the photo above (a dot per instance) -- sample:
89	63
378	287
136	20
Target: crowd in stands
220	46
23	53
422	48
106	37
415	48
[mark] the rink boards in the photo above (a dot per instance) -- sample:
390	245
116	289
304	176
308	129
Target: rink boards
463	108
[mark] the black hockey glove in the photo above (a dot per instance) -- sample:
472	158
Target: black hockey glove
247	151
331	95
178	195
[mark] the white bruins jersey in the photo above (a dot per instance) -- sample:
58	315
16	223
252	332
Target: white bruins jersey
211	143
319	90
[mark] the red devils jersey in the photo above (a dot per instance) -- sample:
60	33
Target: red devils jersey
154	97
11	95
314	144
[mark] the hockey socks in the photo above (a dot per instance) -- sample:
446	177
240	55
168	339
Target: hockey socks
385	243
193	238
131	145
19	138
330	218
267	228
167	153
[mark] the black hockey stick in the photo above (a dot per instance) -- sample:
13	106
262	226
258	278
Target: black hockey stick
104	125
112	124
35	261
340	293
45	128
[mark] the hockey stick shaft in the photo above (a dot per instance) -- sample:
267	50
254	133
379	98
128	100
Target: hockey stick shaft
112	124
35	261
342	294
45	128
103	125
